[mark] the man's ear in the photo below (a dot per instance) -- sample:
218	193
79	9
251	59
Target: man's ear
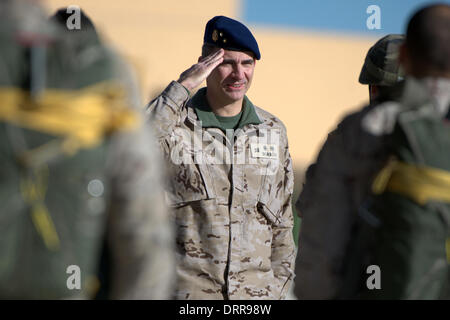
373	92
405	58
373	89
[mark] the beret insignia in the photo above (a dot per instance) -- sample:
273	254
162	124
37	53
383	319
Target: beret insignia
215	35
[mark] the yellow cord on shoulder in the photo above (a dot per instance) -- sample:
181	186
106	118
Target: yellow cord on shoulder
33	189
82	117
419	183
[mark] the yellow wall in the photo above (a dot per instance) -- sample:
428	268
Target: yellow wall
306	79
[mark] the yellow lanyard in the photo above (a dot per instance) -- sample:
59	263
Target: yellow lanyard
33	188
81	117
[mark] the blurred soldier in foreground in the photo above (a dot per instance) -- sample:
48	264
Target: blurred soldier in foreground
77	165
232	179
334	187
362	208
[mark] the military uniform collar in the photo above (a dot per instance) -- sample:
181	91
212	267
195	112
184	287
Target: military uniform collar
420	91
209	120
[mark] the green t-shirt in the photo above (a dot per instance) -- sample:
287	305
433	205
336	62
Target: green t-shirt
210	120
229	122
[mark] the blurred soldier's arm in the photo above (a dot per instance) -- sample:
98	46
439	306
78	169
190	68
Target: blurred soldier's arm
283	245
324	208
335	187
140	233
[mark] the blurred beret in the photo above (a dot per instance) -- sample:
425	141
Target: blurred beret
230	34
381	66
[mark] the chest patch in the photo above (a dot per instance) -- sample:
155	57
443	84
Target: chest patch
260	150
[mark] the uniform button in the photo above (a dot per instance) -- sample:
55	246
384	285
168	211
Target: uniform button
95	188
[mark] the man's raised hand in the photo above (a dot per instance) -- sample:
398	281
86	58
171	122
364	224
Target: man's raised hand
195	75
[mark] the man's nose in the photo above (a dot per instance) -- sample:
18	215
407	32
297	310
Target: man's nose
238	71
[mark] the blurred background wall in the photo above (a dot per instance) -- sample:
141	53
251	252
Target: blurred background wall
312	52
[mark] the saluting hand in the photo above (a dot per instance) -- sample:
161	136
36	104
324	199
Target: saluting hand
195	75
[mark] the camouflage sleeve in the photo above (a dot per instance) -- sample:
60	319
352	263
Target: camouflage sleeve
140	232
283	245
164	111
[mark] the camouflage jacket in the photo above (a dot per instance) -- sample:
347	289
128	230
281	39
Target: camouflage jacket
231	197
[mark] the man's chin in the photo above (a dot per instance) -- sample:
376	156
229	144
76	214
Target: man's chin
235	95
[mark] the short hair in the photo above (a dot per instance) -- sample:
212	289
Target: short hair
428	36
207	49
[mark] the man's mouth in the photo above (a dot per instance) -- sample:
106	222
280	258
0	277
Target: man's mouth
235	86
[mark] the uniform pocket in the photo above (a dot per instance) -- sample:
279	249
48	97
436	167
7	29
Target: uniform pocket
189	181
272	195
271	209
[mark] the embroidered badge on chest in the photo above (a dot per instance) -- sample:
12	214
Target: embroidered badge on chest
259	150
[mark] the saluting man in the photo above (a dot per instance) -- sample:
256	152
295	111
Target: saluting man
231	178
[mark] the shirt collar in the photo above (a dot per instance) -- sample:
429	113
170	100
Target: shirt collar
209	120
420	91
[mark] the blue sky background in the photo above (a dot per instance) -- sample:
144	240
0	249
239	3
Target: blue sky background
348	16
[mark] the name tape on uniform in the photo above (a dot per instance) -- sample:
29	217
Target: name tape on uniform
259	150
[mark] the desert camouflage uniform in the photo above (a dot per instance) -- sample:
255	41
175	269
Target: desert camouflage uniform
111	188
234	220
